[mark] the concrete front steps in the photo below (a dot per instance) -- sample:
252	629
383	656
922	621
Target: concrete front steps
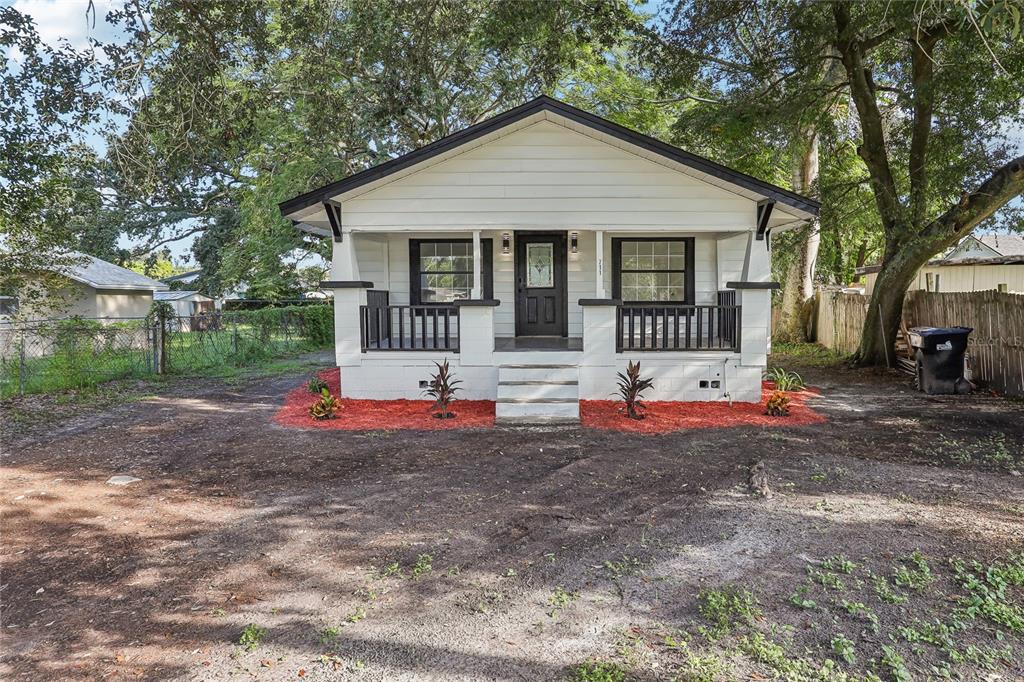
537	392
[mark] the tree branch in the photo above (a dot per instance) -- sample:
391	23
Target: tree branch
1003	185
873	149
922	71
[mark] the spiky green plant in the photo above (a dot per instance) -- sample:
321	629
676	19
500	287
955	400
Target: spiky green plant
785	380
631	388
442	388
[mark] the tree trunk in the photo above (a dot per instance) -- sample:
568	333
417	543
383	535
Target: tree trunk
885	311
798	287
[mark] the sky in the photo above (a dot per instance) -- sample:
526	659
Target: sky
70	20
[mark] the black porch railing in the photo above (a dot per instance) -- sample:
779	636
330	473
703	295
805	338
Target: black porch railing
672	327
408	327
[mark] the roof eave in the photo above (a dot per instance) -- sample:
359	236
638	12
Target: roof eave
793	200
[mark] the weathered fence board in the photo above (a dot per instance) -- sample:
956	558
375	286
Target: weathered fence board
996	347
840	319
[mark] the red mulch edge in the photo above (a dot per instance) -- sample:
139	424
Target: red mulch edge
380	415
667	416
661	416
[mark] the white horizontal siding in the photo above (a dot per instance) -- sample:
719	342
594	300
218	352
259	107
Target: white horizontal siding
549	176
731	253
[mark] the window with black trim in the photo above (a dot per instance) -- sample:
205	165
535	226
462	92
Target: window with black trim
653	270
441	270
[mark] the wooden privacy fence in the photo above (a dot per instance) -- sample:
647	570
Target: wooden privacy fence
996	347
840	319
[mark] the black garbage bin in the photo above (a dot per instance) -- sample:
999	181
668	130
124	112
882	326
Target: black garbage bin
940	358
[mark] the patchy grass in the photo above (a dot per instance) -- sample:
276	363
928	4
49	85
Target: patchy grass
949	623
728	606
598	671
805	354
252	636
993	450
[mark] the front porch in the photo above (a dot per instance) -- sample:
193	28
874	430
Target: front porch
653	327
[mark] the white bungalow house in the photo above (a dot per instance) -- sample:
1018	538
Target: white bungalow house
539	251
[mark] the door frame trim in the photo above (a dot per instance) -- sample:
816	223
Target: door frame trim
561	242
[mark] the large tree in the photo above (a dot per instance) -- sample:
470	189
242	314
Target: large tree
48	96
239	105
936	86
931	88
734	62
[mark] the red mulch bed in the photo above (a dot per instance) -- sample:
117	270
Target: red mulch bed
380	415
665	417
662	417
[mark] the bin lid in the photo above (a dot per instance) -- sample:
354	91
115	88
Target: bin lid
940	331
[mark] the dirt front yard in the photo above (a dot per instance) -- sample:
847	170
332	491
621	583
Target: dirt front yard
252	551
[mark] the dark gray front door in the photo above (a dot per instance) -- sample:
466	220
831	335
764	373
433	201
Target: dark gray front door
541	294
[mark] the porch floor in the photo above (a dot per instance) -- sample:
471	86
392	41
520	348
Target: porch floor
537	343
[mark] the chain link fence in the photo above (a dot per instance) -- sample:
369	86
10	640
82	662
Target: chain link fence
42	356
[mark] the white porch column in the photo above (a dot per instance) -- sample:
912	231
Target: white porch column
476	332
344	266
597	376
599	290
478	269
754	295
349	294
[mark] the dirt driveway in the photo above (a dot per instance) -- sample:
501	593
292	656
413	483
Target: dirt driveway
515	553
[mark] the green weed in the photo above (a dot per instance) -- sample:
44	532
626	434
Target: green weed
728	606
251	636
598	671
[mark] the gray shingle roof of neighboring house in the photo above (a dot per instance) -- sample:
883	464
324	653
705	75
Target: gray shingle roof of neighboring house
99	274
174	295
1004	244
183	276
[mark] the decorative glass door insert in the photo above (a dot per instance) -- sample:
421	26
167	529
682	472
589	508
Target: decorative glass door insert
540	265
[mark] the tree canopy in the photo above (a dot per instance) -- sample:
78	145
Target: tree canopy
897	116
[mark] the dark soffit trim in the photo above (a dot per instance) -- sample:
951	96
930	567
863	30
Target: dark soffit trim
545	103
753	285
345	284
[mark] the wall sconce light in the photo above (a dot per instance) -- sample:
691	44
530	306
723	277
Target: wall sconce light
506	243
574	242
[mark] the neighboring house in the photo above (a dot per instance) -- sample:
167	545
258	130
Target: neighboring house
186	303
187	278
538	252
96	289
183	278
987	262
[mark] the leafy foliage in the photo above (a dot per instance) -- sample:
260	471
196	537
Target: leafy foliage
252	636
442	388
777	404
785	380
317	385
631	388
325	407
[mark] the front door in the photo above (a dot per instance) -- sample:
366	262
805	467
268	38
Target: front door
541	294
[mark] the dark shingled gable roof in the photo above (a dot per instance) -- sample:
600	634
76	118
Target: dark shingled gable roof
545	103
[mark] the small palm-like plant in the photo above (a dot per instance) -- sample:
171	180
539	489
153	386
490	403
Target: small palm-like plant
784	380
316	385
777	404
326	406
442	388
631	388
